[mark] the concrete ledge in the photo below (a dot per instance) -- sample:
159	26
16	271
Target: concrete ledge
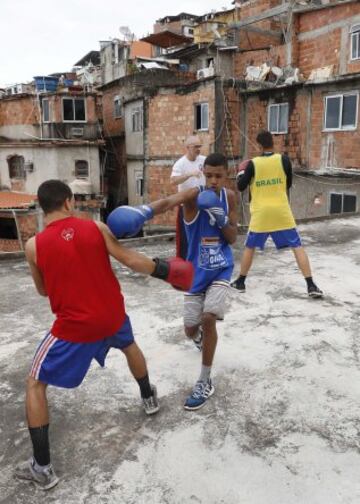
11	255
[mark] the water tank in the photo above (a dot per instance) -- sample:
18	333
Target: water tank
44	83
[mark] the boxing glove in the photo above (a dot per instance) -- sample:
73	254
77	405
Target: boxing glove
241	169
209	201
175	271
126	221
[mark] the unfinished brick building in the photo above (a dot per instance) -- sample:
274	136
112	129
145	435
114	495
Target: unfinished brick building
290	67
46	135
314	114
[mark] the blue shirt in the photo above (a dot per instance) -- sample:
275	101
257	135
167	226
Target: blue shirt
208	250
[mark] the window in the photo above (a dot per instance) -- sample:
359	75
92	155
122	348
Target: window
46	110
278	118
137	119
342	203
341	111
16	167
8	229
81	169
117	107
139	185
188	31
74	109
355	42
202	116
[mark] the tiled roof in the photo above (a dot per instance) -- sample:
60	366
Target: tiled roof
9	199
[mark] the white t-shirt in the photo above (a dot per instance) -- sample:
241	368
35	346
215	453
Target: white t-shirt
184	166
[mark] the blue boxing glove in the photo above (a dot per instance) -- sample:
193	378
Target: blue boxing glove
210	202
126	221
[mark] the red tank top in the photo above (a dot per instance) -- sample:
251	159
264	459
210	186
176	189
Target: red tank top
83	291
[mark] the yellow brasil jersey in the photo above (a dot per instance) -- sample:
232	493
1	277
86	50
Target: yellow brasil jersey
269	207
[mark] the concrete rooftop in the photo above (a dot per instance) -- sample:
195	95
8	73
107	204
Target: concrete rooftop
282	427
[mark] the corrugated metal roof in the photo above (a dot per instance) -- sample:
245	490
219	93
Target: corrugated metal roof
14	200
166	39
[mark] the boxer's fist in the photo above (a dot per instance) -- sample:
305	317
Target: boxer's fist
126	221
175	271
241	169
209	201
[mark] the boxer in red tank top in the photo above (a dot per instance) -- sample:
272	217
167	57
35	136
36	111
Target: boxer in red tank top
69	263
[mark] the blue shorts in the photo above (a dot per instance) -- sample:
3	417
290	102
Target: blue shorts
65	364
282	239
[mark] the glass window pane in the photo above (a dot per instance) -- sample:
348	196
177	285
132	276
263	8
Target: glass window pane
46	111
80	110
204	116
81	169
335	203
68	110
349	203
332	112
355	49
349	110
198	117
273	118
283	119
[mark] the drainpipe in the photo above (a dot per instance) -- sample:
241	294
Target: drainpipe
18	230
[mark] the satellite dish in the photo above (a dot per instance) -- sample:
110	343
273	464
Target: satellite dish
125	30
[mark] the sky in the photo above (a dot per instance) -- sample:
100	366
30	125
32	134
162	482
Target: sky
43	37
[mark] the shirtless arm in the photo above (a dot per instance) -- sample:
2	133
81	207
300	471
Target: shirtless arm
130	258
30	254
184	197
230	230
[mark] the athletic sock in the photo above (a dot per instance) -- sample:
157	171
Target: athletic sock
39	468
241	279
205	373
145	387
309	282
40	441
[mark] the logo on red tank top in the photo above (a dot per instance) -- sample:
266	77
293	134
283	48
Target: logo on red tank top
67	234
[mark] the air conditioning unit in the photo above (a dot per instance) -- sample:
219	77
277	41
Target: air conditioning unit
203	73
77	132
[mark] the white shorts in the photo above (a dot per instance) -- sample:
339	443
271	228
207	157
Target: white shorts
212	301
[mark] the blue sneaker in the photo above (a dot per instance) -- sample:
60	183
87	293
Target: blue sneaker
201	392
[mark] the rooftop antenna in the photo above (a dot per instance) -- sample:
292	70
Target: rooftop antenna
127	33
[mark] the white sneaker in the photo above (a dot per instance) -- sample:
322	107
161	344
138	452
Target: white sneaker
44	479
151	404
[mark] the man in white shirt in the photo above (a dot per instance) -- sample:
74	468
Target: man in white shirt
187	172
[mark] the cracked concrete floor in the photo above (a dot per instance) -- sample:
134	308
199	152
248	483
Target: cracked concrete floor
282	428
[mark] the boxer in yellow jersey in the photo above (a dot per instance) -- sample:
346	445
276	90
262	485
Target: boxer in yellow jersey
269	177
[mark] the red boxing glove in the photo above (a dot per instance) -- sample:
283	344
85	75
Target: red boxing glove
242	166
175	271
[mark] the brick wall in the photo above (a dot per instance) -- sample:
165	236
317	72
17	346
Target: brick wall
307	145
330	45
19	110
27	223
25	110
112	126
275	56
9	245
340	149
171	121
319	52
294	142
324	17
